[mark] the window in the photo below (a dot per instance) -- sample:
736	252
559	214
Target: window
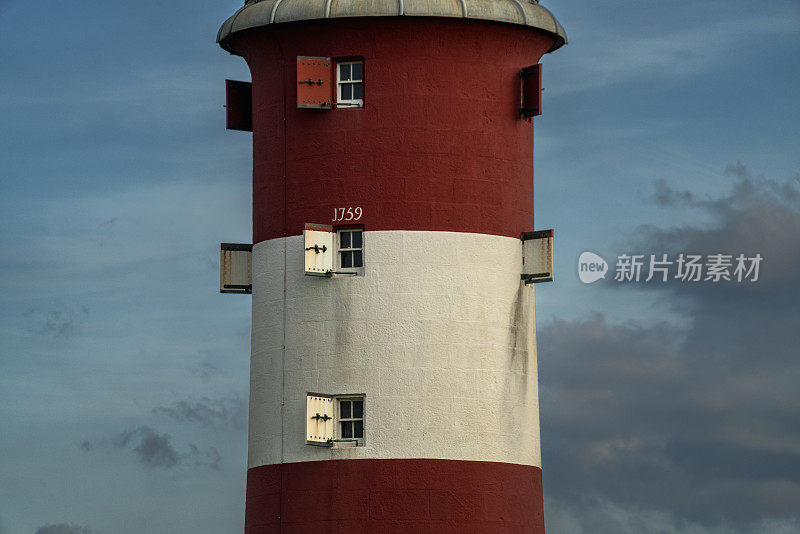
350	84
332	251
335	420
350	244
350	419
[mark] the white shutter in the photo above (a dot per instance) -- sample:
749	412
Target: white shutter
537	256
235	268
318	244
319	419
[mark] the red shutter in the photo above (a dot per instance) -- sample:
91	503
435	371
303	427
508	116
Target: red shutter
530	91
239	105
314	82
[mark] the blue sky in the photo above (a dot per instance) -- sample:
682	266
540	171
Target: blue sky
124	373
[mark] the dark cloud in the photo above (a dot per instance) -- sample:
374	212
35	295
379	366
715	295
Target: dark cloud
206	371
695	429
759	215
666	196
60	323
230	412
63	528
152	448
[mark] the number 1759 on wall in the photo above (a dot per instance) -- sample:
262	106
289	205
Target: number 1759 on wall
347	214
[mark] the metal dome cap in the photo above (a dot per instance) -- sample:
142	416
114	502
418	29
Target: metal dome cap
257	13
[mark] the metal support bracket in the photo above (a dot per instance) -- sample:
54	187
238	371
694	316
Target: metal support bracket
331	442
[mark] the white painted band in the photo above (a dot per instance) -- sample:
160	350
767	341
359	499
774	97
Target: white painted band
438	333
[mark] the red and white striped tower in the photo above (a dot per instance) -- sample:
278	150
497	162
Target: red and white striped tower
435	335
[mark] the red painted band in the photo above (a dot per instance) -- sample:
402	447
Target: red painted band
394	496
439	144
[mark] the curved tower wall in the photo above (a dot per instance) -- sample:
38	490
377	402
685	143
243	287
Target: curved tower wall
438	332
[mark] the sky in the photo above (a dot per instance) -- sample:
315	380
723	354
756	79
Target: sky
666	407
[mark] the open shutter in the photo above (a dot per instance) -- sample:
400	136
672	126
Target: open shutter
530	91
235	268
319	419
318	245
314	82
239	105
537	256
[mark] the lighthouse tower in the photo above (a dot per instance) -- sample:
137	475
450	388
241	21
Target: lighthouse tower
393	373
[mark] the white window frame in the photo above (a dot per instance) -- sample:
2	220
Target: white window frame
349	102
338	420
338	268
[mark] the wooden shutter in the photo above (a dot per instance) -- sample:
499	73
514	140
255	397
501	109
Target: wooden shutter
537	256
319	419
239	105
318	245
314	82
235	268
530	91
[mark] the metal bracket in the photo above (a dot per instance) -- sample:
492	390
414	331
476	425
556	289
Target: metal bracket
331	441
317	248
312	82
538	234
538	277
325	417
237	288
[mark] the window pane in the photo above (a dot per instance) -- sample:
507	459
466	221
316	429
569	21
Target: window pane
357	239
344	411
358	409
344	71
358	429
347	259
358	71
357	261
347	91
344	239
358	91
347	429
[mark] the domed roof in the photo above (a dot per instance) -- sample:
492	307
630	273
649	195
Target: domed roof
257	13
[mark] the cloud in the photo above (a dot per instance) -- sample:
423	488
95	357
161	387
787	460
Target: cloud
758	216
63	528
660	429
152	448
595	515
230	411
206	371
675	48
59	323
155	450
666	196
